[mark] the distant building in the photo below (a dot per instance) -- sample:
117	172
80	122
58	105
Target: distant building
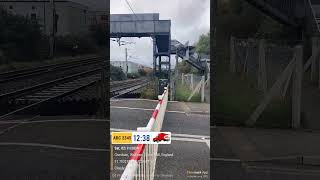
72	18
132	66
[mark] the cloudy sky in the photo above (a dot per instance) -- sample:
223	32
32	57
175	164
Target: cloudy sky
189	19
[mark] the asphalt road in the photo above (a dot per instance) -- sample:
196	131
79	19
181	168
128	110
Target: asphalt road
226	164
189	152
55	150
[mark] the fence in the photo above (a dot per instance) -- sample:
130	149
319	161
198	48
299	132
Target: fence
143	161
259	60
195	84
273	67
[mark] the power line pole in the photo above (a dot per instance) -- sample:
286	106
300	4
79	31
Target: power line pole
53	29
126	70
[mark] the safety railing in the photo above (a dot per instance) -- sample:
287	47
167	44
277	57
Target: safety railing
143	161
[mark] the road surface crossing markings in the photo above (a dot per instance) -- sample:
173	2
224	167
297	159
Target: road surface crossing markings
133	99
53	120
16	125
176	137
29	121
282	170
52	146
225	159
180	112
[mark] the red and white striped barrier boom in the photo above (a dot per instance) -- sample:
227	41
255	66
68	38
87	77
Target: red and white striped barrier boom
143	161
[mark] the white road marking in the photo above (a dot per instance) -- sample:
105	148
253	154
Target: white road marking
192	136
56	120
144	109
291	171
186	139
176	137
121	130
16	125
208	143
131	108
225	159
133	99
173	134
52	146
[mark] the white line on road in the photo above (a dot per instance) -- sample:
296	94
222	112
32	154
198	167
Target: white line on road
16	125
225	159
140	99
176	137
208	143
186	139
144	109
283	170
121	130
56	120
173	134
52	146
192	136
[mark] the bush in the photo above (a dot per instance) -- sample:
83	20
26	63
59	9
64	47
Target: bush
133	75
149	92
116	73
142	72
64	45
183	93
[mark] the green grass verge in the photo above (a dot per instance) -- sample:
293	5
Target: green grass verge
149	92
236	99
183	93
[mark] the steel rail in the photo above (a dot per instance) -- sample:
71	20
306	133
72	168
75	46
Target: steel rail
24	71
52	83
46	84
50	68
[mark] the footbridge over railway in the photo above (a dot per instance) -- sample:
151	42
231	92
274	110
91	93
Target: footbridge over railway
301	14
188	53
150	25
147	25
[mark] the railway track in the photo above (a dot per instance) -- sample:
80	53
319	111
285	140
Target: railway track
42	93
16	80
77	76
119	88
28	88
16	74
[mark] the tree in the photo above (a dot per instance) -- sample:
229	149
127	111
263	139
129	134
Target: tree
184	67
116	73
142	72
203	45
20	37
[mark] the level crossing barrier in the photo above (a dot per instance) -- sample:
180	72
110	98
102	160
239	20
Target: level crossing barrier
143	161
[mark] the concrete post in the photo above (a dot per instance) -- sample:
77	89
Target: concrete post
182	78
314	60
262	67
172	82
202	88
154	56
191	81
52	32
126	58
232	55
297	86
